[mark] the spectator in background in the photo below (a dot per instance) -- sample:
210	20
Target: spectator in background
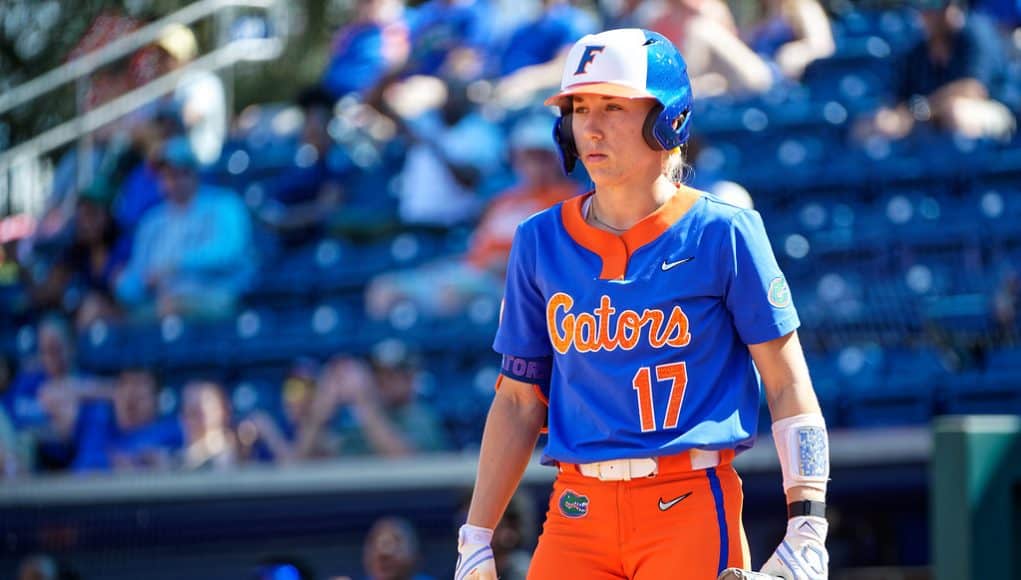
84	275
128	434
789	35
199	99
374	409
949	78
391	551
139	191
449	39
302	435
38	567
449	42
45	398
192	255
372	43
301	198
445	287
453	151
209	438
718	60
532	59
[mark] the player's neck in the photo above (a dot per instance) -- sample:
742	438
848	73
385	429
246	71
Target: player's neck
621	207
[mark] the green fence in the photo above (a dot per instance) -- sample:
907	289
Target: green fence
976	498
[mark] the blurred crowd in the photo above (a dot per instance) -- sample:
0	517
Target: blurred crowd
426	116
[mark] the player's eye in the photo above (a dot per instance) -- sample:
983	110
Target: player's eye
580	109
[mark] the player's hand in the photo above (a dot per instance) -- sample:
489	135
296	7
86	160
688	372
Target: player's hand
474	555
802	554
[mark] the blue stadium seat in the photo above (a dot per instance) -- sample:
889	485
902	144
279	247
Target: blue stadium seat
875	398
994	390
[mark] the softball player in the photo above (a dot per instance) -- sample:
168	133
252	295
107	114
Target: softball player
632	318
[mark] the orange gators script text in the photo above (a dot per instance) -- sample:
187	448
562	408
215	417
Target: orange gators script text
599	330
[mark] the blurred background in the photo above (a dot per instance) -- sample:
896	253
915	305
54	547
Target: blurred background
252	255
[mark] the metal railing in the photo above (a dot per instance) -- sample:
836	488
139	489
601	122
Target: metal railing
25	156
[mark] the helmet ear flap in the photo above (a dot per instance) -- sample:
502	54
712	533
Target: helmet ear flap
563	136
672	132
649	128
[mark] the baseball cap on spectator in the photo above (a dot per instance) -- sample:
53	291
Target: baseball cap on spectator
179	42
98	192
177	153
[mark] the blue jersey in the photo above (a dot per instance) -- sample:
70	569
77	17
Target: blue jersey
648	331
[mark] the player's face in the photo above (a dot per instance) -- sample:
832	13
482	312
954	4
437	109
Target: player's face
608	133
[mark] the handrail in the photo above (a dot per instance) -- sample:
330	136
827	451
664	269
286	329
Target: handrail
239	50
118	49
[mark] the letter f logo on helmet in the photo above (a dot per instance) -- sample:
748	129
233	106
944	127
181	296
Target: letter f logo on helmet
587	57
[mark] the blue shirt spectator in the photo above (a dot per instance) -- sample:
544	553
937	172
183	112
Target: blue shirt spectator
127	433
975	53
139	193
951	78
543	39
21	399
46	398
375	41
454	152
54	366
192	253
441	28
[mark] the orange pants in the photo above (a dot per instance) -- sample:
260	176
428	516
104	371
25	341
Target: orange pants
639	530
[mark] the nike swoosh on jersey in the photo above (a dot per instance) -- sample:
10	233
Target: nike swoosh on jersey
668	265
665	505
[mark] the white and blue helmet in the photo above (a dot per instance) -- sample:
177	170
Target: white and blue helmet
630	63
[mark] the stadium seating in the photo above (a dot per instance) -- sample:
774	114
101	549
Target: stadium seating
894	251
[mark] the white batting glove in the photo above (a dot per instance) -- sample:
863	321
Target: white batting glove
474	556
802	554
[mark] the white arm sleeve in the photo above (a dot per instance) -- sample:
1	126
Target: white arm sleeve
803	446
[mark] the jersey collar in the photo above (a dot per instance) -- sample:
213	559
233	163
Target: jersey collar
615	251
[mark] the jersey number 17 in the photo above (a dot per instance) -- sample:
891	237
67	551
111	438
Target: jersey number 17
674	373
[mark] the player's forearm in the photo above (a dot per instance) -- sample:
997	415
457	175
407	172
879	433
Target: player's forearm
792	399
512	429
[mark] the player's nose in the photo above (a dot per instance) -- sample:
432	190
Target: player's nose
591	128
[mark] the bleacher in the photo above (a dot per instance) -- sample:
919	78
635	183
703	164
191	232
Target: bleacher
894	250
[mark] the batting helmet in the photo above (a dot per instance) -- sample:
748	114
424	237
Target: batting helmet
630	63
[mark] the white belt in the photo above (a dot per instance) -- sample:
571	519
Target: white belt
628	469
620	469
